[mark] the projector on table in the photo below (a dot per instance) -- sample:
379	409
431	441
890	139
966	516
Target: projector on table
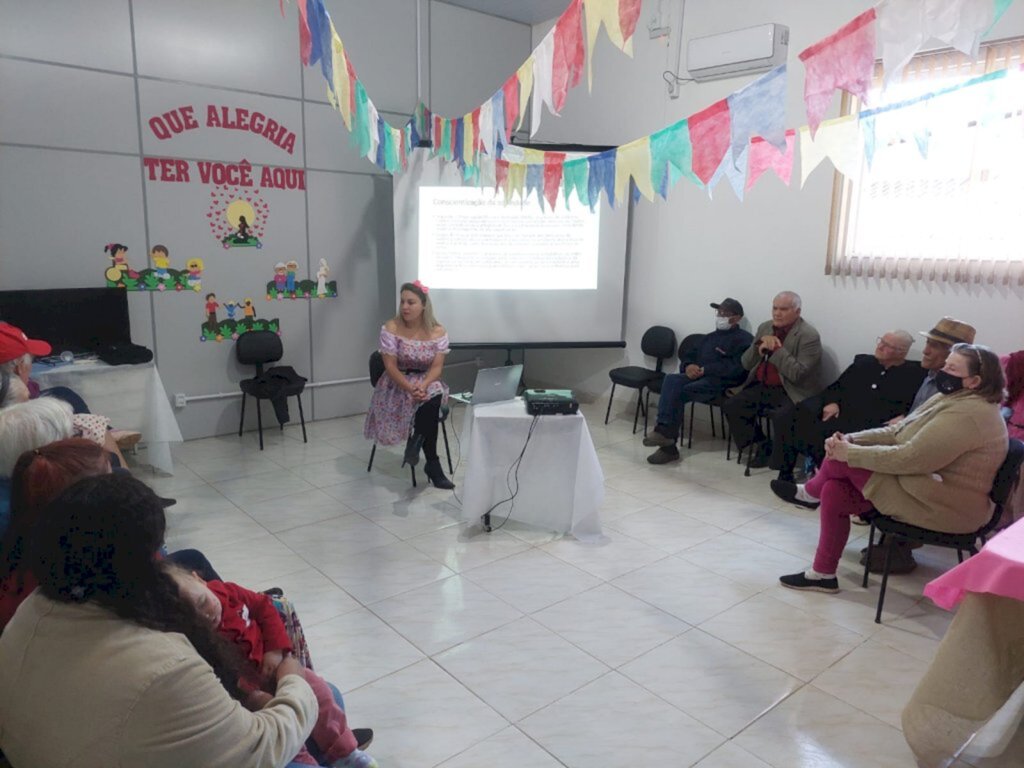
544	402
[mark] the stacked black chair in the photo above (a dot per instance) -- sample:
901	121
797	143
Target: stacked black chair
658	342
1002	487
278	383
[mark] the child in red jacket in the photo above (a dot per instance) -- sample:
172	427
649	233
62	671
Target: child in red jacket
250	621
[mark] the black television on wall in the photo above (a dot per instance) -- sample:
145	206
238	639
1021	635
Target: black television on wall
72	319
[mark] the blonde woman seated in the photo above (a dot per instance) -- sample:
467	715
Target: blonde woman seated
413	345
934	469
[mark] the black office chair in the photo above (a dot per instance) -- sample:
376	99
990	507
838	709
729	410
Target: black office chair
376	371
276	384
1002	487
658	342
688	343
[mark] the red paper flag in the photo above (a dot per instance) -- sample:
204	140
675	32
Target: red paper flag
305	39
437	133
629	12
765	157
500	174
567	61
710	136
511	91
845	59
553	176
351	85
476	132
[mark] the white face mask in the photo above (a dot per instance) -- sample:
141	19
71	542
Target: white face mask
723	323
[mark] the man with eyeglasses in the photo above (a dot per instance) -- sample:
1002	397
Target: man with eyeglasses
784	362
706	370
870	392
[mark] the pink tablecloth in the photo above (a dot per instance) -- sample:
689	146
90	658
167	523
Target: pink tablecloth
998	570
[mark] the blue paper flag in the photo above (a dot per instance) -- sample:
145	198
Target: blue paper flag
498	117
759	109
325	54
313	19
601	172
733	170
535	182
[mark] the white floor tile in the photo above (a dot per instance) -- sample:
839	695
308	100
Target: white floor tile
531	580
510	748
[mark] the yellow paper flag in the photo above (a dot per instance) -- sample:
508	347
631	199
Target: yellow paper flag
341	83
633	159
839	140
603	12
468	140
516	180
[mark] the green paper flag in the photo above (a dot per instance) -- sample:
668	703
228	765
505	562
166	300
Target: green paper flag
362	128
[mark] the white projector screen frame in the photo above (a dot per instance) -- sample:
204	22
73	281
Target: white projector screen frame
517	306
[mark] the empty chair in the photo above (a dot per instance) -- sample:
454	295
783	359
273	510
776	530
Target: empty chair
658	342
276	384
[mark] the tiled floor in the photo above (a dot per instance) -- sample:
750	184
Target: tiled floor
669	645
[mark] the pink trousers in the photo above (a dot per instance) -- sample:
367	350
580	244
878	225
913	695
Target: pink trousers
839	488
331	733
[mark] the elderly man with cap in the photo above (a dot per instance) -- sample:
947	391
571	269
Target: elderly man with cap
938	343
784	363
871	391
705	372
16	353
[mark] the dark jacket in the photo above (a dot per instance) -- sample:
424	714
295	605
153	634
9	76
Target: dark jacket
870	395
719	355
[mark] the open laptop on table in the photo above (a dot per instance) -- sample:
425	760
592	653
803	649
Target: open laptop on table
493	385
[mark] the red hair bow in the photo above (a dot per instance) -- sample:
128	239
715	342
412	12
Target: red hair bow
421	286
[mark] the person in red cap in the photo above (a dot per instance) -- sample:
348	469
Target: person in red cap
16	353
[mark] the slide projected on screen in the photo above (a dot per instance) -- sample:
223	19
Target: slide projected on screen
470	238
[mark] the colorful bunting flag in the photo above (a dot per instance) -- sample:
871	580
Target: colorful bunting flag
633	161
735	171
553	162
601	175
845	59
535	182
305	39
543	56
764	157
759	109
510	96
567	57
710	137
839	140
525	77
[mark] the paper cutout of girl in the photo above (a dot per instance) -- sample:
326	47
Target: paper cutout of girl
119	263
280	278
321	278
195	273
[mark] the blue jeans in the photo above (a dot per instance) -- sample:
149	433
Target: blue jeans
676	392
309	744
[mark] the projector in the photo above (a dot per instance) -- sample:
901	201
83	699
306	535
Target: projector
546	402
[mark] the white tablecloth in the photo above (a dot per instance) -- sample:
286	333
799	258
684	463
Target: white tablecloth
561	485
131	396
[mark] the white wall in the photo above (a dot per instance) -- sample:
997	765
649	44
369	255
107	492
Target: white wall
78	86
690	250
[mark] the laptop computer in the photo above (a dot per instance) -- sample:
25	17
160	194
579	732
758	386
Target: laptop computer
493	385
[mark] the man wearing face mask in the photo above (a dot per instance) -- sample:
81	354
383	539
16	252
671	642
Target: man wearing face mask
705	372
939	341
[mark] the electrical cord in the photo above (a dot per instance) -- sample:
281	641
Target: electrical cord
672	78
510	475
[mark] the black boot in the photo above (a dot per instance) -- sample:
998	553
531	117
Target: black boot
436	476
412	449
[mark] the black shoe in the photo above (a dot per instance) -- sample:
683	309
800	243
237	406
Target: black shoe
763	456
801	582
412	450
902	559
786	476
656	439
274	592
364	737
664	455
436	475
787	492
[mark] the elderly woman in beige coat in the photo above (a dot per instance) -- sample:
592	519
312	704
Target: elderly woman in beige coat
934	469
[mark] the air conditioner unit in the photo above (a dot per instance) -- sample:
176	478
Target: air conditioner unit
740	52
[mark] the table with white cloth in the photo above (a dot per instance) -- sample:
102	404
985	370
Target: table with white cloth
131	396
560	482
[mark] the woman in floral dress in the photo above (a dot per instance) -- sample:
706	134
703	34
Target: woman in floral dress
413	345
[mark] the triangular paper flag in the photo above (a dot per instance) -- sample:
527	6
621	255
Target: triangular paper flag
759	109
710	138
764	157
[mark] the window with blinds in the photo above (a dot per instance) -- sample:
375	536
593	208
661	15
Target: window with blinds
941	186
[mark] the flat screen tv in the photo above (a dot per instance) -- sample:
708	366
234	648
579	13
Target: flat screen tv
74	319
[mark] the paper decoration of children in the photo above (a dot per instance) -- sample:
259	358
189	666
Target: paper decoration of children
248	309
321	278
286	286
161	259
211	308
241	216
280	279
195	274
118	271
230	307
292	267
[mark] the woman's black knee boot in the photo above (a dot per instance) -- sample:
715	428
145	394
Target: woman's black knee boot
436	475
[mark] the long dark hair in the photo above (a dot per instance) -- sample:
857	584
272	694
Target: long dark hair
99	542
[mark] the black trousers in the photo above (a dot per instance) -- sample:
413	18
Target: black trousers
425	423
742	410
799	429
